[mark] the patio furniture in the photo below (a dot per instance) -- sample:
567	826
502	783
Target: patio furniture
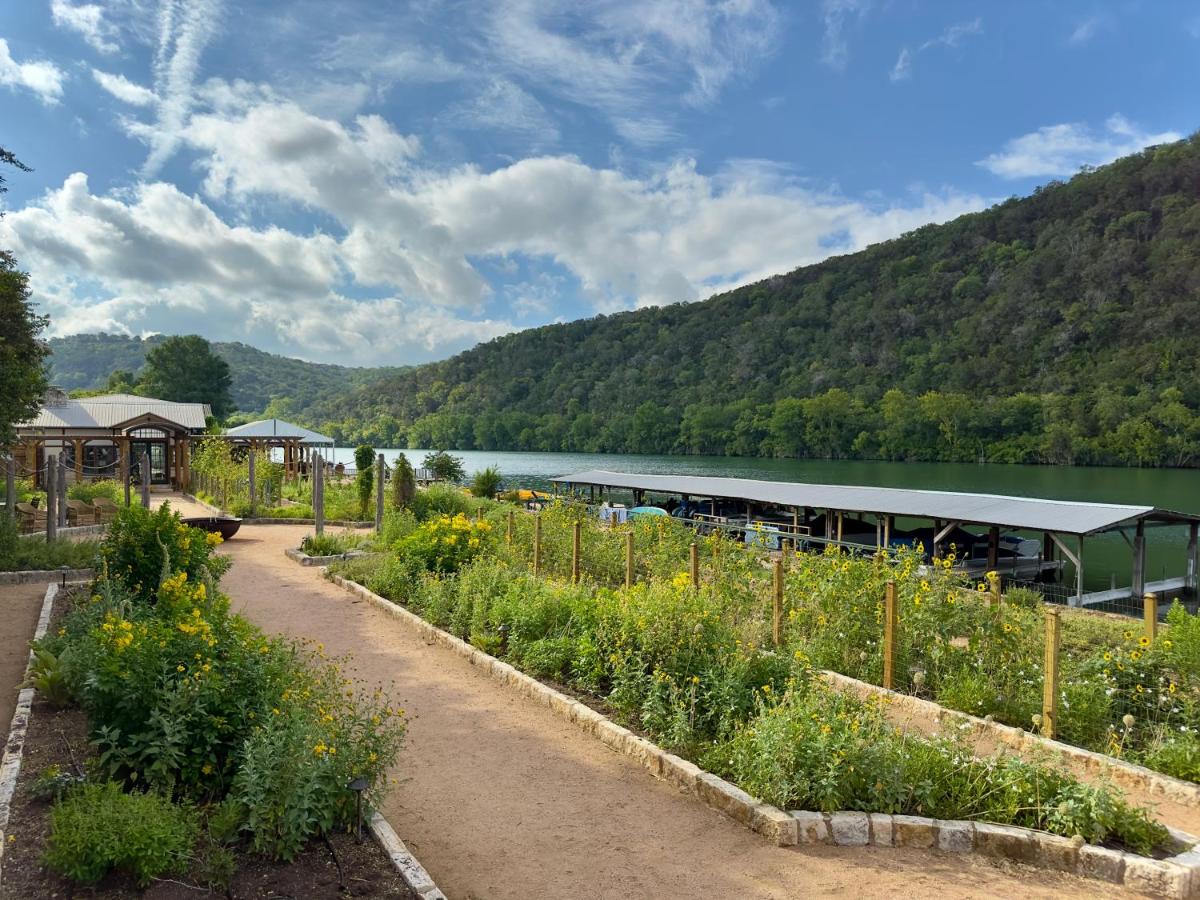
81	513
106	510
30	518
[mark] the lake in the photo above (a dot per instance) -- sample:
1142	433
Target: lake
1104	557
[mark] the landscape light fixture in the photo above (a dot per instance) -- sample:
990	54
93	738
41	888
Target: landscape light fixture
358	785
63	570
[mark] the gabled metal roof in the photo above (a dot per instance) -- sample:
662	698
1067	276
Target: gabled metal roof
266	429
110	410
1060	516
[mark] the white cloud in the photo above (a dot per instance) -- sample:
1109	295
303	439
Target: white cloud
43	78
1089	28
1060	150
835	50
952	36
124	89
87	19
503	106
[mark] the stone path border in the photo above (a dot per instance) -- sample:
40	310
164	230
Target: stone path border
304	559
45	576
14	747
1177	878
1123	774
413	873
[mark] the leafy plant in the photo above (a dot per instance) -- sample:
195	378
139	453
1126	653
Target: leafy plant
46	676
364	481
404	485
444	466
486	482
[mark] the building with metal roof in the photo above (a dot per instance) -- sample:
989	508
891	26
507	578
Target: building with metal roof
1057	520
106	436
278	430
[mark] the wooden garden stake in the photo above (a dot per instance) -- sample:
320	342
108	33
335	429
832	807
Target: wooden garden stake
575	554
1150	611
993	589
537	543
889	635
777	606
694	552
1050	673
629	559
508	535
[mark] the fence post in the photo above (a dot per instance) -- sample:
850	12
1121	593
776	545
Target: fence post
889	635
629	559
777	605
1050	674
993	579
575	537
508	535
62	491
537	544
319	495
10	486
379	470
145	473
1150	611
51	506
253	482
694	560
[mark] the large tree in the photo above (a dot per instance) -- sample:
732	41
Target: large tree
186	369
22	354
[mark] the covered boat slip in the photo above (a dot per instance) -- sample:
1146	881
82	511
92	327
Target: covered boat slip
1063	524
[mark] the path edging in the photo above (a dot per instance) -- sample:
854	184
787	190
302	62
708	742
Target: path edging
14	746
1177	878
410	869
304	559
45	576
1123	774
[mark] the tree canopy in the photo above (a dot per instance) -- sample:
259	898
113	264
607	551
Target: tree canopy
186	370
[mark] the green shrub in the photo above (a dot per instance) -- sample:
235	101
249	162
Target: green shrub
143	546
446	543
440	500
486	482
46	675
330	544
99	827
88	491
364	481
31	552
444	466
404	484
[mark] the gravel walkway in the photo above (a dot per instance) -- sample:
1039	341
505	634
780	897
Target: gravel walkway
501	799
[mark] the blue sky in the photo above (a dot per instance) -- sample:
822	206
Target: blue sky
388	183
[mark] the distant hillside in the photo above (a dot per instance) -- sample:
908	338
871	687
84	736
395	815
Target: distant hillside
1059	327
85	361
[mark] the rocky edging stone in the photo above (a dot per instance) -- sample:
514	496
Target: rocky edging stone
1177	877
1121	773
305	560
14	747
406	864
45	576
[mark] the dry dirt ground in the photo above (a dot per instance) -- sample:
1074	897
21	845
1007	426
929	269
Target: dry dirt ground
499	798
19	608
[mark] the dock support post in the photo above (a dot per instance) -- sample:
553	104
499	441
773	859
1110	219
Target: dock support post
1150	615
887	532
839	525
993	549
629	559
694	559
889	635
575	549
777	605
1079	572
1190	581
537	544
1138	583
1050	674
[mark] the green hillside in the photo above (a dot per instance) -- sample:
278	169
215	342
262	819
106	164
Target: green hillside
85	362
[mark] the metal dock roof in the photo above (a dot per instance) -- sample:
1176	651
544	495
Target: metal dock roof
1059	516
278	428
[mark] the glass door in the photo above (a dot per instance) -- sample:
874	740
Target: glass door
157	451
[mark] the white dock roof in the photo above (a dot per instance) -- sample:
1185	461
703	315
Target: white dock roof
1059	516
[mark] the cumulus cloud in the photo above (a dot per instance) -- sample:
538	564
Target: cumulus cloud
1060	150
87	20
396	278
43	78
124	89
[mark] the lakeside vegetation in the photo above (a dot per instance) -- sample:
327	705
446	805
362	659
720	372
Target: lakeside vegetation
695	667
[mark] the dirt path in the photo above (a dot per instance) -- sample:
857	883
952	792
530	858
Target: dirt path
501	799
20	606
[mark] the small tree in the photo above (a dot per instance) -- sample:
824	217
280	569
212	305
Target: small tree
486	482
404	483
444	466
364	461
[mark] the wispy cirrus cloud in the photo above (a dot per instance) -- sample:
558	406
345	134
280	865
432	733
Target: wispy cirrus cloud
1089	27
88	21
42	77
1061	150
952	36
835	16
123	89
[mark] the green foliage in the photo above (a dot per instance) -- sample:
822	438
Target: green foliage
46	675
440	500
364	480
144	547
32	553
88	491
446	543
404	484
99	828
330	544
486	482
444	466
186	369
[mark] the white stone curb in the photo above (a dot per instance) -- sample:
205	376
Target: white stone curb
10	765
1177	878
44	576
406	864
305	560
1121	773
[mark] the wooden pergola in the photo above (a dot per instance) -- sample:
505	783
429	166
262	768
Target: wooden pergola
297	443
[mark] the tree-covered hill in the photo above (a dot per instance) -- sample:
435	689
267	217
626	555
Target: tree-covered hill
1059	327
87	361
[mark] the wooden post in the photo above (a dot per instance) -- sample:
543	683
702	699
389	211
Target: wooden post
123	449
994	589
537	544
993	562
629	559
1050	674
318	494
379	471
61	474
1138	586
887	532
1150	612
253	482
777	605
575	544
78	445
694	555
51	505
508	535
145	472
10	486
889	635
839	525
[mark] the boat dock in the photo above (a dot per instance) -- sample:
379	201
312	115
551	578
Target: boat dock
824	513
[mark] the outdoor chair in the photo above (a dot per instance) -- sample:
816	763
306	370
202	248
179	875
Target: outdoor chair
106	510
31	518
81	513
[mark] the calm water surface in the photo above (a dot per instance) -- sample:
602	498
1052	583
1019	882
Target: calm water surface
1104	557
